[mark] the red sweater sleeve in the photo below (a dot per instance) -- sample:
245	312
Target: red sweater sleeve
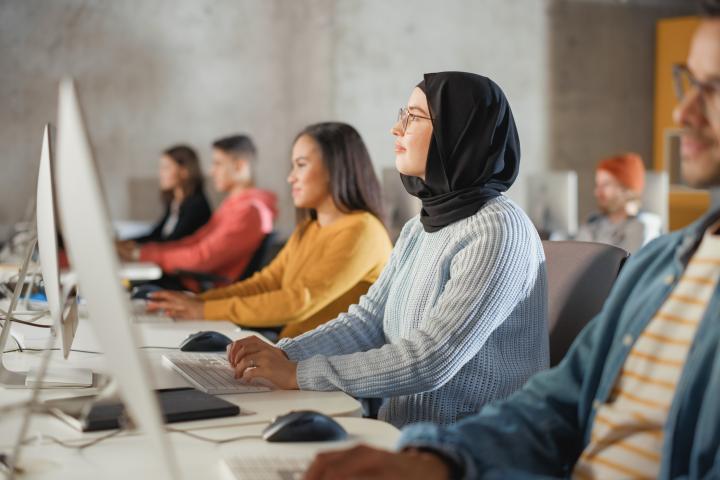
236	235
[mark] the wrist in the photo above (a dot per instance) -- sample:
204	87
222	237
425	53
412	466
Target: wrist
435	464
295	385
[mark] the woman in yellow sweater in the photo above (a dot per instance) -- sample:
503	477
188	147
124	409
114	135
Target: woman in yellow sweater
337	251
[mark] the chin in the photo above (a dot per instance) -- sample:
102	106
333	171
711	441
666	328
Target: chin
410	172
703	172
400	164
700	181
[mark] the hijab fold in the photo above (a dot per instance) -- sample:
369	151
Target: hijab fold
474	153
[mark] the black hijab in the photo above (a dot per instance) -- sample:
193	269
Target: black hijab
474	153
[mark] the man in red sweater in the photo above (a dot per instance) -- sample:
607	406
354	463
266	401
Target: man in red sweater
225	245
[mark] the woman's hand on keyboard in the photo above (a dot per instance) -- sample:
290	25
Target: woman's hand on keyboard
254	359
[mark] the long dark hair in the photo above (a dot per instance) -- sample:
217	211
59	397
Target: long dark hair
185	157
353	183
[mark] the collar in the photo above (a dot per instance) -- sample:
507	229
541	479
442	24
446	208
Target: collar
692	235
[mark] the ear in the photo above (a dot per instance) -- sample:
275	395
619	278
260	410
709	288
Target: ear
240	164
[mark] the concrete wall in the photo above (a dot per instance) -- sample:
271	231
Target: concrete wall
378	63
152	73
601	76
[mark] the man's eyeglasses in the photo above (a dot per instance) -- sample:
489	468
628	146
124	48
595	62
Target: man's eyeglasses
405	117
685	82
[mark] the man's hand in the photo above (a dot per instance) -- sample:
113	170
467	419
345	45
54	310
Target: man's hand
125	249
367	462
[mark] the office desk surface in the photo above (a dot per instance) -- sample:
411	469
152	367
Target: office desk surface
124	454
133	271
128	456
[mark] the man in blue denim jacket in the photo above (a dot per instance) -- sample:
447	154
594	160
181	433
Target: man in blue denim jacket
542	430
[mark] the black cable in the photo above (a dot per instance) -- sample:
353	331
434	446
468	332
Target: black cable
50	349
31	324
19	349
80	446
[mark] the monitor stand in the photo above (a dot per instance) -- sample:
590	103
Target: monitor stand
55	377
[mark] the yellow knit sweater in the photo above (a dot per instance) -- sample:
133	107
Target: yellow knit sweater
319	273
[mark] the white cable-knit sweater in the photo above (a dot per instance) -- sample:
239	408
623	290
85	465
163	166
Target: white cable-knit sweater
458	318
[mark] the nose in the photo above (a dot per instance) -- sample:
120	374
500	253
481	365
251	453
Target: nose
291	178
689	111
396	129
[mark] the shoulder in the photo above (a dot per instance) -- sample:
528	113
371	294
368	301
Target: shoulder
238	208
594	218
361	228
363	222
411	227
262	198
499	218
499	231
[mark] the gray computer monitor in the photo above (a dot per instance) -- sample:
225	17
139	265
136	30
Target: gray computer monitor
552	202
62	302
89	242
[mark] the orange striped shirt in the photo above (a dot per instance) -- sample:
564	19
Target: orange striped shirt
627	435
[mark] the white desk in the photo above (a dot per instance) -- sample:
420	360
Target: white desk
125	455
128	456
132	271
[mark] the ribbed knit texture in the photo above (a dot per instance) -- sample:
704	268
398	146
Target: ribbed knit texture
458	318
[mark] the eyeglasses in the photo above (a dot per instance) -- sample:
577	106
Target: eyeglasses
405	117
685	82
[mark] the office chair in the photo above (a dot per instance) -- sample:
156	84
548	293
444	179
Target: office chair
580	276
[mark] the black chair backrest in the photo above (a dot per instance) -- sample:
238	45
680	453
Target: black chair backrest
260	257
580	276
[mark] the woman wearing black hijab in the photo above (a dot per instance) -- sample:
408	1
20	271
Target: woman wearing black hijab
458	316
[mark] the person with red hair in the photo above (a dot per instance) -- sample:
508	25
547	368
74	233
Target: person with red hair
619	183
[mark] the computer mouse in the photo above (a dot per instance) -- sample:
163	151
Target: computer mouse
205	342
304	426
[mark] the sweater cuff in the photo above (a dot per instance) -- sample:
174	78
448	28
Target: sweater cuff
434	438
291	349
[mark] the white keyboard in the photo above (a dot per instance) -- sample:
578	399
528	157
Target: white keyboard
209	372
264	468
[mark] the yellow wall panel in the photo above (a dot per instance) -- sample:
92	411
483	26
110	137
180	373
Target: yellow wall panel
672	45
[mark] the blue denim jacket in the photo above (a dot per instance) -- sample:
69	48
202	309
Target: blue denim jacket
541	430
